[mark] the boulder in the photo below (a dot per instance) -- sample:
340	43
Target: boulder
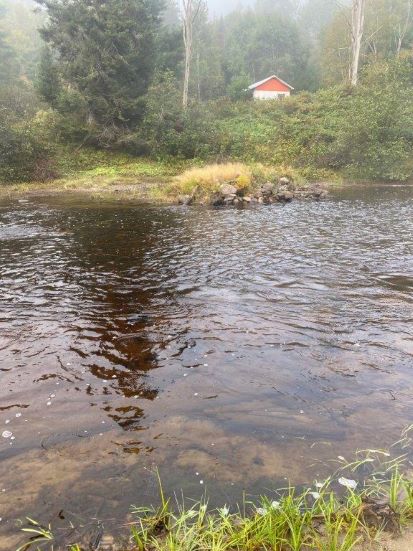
227	189
267	188
216	199
285	196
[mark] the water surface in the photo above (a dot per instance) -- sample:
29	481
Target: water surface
233	349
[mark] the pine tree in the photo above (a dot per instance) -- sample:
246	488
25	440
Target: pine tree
48	78
106	53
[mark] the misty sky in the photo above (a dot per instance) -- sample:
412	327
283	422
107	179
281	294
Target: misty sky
219	7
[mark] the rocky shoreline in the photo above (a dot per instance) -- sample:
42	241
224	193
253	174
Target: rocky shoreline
283	191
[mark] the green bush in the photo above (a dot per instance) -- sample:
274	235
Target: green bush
26	137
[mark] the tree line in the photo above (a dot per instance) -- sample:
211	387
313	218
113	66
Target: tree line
157	78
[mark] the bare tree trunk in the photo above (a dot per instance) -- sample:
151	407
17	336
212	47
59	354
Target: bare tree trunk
190	13
357	28
402	30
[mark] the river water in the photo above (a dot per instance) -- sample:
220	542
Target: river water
231	349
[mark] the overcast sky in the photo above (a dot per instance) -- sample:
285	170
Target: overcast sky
219	7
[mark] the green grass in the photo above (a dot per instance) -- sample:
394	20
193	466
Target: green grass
326	516
92	162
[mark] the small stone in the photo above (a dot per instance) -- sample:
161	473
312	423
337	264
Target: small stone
7	434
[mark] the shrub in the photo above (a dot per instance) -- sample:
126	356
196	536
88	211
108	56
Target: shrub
25	138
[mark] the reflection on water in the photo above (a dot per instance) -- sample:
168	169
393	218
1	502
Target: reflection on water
233	347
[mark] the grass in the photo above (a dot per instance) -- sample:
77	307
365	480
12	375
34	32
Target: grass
99	173
337	514
103	174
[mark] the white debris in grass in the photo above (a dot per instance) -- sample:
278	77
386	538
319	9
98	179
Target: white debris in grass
347	482
201	481
7	434
7	421
261	511
18	414
48	403
315	495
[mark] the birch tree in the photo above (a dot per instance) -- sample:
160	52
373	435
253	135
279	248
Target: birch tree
190	12
357	28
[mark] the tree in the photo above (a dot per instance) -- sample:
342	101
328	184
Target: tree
106	53
190	12
357	28
48	82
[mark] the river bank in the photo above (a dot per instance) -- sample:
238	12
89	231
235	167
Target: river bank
364	505
104	175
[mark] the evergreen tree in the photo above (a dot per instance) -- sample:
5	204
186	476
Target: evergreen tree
48	78
106	53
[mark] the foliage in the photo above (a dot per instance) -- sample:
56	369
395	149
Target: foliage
48	80
106	53
26	135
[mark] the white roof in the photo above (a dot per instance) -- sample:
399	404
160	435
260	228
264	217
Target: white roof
256	84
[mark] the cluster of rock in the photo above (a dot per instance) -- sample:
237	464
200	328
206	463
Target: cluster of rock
283	191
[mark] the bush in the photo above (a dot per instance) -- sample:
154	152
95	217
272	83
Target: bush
25	138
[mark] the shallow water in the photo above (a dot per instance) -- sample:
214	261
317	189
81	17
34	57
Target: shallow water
232	349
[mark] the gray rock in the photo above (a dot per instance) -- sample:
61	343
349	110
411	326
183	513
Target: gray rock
227	189
216	199
267	188
229	199
185	199
284	181
285	196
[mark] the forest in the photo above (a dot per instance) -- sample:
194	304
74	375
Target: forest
170	82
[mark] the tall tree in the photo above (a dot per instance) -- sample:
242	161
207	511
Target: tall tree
106	53
357	28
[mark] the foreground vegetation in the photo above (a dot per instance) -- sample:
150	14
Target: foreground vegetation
360	506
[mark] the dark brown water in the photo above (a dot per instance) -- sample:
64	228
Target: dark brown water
233	347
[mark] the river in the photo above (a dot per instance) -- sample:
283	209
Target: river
230	349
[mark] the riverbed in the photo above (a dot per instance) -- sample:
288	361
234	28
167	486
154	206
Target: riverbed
232	349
